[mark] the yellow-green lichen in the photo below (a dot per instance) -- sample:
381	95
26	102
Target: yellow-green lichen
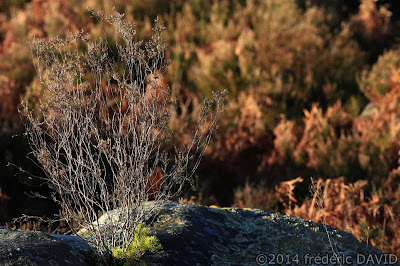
267	217
230	210
258	212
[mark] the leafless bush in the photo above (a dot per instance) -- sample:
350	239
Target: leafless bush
105	128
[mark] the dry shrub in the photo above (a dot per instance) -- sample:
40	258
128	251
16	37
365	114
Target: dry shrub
351	207
246	129
217	67
288	57
377	80
285	194
285	143
103	136
335	143
378	131
370	212
326	144
290	64
237	152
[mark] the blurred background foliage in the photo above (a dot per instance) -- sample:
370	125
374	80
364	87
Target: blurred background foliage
314	91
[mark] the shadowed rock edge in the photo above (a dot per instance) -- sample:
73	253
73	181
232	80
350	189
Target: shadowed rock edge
192	235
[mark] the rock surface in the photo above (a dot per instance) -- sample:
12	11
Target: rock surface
197	235
35	248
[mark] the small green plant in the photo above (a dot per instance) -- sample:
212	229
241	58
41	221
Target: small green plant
142	242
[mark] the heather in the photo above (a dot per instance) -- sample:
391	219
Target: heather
314	90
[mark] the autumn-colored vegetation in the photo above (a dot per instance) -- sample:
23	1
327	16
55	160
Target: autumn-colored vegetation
314	91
